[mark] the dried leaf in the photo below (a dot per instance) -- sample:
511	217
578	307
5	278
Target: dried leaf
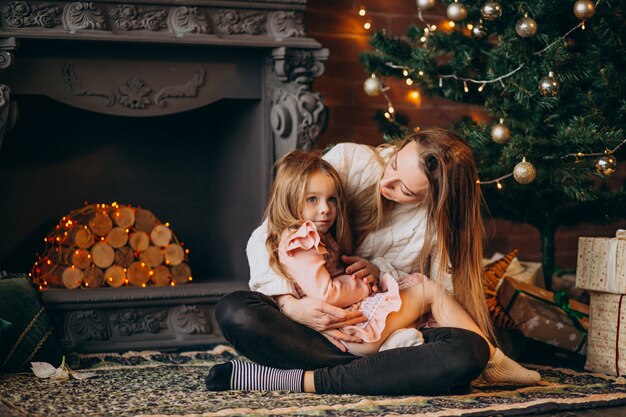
42	369
82	375
59	375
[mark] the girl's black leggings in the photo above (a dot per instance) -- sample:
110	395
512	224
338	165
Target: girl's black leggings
447	362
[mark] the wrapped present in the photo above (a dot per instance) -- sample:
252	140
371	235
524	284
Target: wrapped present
601	263
607	334
546	316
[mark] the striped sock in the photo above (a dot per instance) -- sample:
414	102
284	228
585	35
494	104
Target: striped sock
252	377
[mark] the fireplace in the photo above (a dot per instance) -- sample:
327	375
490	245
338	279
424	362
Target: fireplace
180	107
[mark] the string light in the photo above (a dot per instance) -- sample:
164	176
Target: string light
409	81
362	11
367	25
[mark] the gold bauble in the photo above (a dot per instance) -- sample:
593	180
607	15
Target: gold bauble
524	172
491	10
584	9
426	4
479	33
526	27
372	86
500	133
606	165
456	11
548	86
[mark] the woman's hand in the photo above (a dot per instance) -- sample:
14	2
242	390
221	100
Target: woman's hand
318	315
334	336
361	268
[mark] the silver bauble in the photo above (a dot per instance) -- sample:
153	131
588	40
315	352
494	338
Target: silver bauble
584	9
606	165
548	86
426	4
491	10
526	27
372	86
479	33
524	172
456	11
500	133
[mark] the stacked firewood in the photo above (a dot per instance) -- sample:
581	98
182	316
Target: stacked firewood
114	245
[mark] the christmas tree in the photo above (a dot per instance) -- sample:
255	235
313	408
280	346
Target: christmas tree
551	73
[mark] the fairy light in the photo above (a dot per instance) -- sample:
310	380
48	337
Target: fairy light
451	23
470	26
421	73
465	88
409	81
362	11
405	72
481	88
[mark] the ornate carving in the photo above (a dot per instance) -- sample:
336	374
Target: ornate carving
232	22
20	14
7	46
130	321
129	17
84	15
86	325
297	116
190	320
76	87
189	89
135	94
286	25
188	20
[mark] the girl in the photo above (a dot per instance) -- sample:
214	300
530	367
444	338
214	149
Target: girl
307	229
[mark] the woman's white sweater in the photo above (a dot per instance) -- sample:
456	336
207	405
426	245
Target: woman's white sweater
395	248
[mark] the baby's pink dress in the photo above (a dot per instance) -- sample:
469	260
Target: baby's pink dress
316	268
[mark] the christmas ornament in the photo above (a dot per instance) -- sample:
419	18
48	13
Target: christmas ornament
478	32
606	165
549	86
491	10
500	133
524	172
584	9
426	4
372	86
456	11
526	27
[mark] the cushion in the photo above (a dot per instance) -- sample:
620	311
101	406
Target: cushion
27	331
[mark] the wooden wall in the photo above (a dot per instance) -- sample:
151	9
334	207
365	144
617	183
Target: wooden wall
338	27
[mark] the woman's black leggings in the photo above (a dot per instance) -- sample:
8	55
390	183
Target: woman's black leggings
447	362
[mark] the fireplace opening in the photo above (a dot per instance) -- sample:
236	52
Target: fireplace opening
204	171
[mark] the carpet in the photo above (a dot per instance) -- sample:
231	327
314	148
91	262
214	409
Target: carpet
172	384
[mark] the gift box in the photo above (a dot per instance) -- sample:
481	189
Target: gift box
546	316
601	263
607	334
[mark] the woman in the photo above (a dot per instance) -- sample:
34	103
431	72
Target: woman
415	207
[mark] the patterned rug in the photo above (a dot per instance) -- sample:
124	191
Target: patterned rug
172	384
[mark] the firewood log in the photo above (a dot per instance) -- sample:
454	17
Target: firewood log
181	273
161	275
72	277
153	256
124	256
100	224
161	235
138	274
139	241
81	237
145	220
174	254
124	217
117	237
102	255
94	277
80	258
115	276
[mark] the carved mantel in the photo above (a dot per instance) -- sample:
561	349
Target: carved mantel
140	84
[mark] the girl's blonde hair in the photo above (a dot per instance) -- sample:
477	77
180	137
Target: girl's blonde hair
284	210
454	228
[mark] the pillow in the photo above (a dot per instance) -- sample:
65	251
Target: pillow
494	272
30	336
